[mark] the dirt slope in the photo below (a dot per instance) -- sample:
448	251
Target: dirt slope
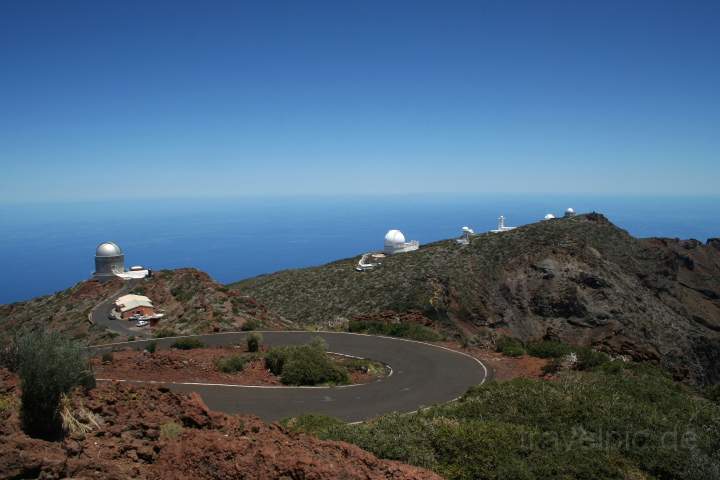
133	440
581	280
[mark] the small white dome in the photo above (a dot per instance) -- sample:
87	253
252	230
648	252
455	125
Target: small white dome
549	216
108	249
570	211
394	237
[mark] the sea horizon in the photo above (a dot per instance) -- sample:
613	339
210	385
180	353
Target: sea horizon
49	246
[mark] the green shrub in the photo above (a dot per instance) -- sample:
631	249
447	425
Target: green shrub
165	332
151	346
510	347
232	364
304	365
589	358
131	338
170	430
413	331
548	349
49	366
254	340
107	357
275	359
552	367
187	343
310	423
713	393
9	357
249	325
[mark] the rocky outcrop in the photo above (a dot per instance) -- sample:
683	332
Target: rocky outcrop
581	280
135	440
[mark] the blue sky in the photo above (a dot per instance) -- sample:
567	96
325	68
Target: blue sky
106	99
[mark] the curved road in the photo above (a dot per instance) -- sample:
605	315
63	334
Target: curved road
422	375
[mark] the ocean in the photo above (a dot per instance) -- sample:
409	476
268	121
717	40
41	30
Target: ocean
45	248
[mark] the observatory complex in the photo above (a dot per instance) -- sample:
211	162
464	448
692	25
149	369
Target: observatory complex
110	263
395	243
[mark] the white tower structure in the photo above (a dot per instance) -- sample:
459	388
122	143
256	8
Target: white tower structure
501	226
569	212
395	243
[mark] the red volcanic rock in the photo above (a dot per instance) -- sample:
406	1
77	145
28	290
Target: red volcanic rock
130	443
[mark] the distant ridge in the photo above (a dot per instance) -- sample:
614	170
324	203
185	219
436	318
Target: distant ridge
580	279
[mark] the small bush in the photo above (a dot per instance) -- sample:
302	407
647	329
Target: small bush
170	430
9	357
310	423
254	340
107	357
510	347
548	349
165	332
552	367
50	365
413	331
235	363
249	325
713	393
131	338
151	346
304	365
589	358
8	403
187	344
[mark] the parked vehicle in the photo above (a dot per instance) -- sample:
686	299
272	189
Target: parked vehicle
142	323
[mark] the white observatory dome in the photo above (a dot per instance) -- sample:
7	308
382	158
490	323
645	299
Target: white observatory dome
549	216
108	249
569	211
394	238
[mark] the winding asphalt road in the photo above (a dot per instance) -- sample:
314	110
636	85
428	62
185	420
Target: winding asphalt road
422	375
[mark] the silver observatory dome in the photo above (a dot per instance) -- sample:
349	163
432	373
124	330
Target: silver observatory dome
108	249
109	260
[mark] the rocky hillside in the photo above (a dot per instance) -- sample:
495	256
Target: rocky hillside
124	432
581	280
191	300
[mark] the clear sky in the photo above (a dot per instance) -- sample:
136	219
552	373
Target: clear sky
109	99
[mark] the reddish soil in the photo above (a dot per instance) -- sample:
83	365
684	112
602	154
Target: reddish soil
196	365
130	443
503	367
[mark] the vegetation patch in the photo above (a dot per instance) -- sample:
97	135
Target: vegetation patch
187	344
413	331
632	422
234	363
254	341
165	332
304	365
170	430
548	349
510	347
49	365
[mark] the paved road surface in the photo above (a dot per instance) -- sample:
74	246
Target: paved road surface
422	375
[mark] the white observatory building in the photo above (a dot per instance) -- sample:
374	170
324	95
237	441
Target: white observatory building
501	226
110	263
549	216
395	243
569	212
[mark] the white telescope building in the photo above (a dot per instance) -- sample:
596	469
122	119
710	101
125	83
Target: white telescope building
110	263
395	243
501	226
